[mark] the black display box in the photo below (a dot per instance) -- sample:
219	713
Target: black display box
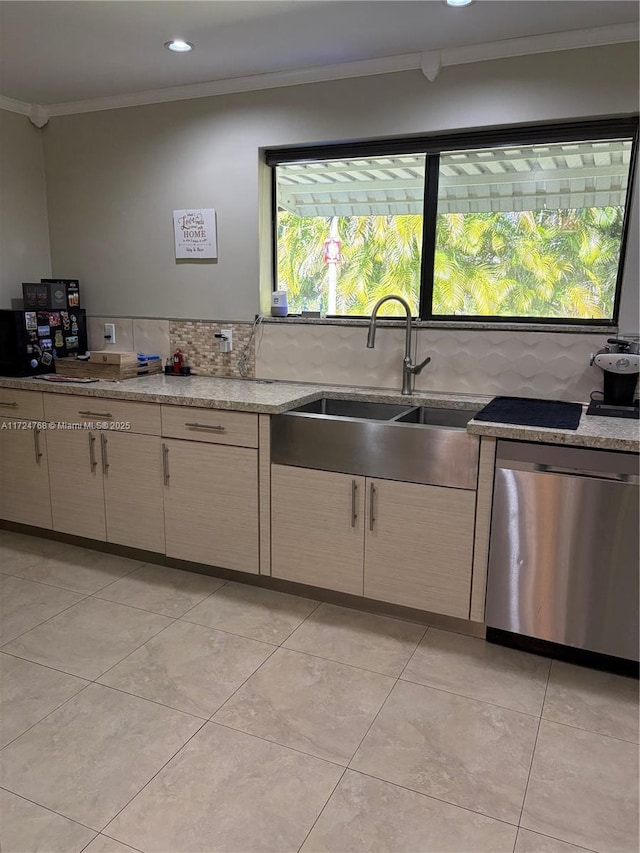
53	294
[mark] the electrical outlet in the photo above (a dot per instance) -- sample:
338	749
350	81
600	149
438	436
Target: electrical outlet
228	333
109	333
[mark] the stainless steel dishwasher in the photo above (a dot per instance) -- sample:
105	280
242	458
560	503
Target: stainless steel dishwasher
563	560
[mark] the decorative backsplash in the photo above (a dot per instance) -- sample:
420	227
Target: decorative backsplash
487	361
528	364
196	339
163	337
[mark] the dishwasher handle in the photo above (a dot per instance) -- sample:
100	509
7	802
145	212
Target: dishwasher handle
543	468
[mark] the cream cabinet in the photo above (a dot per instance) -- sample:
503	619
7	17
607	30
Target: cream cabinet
75	476
317	528
106	469
107	485
24	473
419	546
211	504
133	489
398	542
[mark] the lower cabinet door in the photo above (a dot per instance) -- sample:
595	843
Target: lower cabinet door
211	504
419	546
24	475
75	476
317	524
133	495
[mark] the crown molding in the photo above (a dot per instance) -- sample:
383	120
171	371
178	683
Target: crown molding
236	85
430	62
14	106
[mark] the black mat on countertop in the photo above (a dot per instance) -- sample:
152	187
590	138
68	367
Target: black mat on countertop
524	411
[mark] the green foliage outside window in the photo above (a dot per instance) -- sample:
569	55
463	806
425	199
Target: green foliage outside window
546	263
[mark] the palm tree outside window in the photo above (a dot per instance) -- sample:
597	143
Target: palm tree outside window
515	231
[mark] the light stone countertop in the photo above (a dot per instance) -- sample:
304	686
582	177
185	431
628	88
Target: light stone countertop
274	397
598	433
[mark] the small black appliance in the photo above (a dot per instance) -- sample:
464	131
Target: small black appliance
620	362
32	341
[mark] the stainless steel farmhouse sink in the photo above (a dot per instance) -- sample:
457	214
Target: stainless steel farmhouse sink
353	409
431	416
416	444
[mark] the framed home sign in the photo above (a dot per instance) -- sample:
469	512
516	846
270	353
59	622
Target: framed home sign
195	233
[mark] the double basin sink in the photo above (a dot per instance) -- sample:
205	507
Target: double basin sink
417	444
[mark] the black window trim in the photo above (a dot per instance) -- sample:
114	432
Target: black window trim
432	145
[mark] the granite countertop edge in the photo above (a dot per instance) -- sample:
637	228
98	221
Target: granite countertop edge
276	397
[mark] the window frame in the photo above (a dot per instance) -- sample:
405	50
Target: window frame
433	145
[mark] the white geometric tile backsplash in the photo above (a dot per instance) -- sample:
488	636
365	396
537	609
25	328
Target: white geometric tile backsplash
528	364
468	361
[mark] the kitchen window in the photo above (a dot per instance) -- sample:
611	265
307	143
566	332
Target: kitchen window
517	224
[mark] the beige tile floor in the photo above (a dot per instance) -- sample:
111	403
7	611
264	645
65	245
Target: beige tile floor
147	709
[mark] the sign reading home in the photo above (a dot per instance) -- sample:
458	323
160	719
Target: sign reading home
195	233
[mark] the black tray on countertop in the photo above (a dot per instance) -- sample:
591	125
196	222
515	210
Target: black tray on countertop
526	411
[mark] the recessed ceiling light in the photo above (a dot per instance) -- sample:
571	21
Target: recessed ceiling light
458	2
178	45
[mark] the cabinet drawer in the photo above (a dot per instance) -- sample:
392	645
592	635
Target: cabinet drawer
213	425
21	404
143	417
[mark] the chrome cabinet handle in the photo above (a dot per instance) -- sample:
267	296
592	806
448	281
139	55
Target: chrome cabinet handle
10	405
105	458
372	516
92	452
354	503
165	464
97	414
36	441
213	427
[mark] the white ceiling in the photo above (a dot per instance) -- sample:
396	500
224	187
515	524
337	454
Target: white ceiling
54	52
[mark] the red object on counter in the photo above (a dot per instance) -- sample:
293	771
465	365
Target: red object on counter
178	361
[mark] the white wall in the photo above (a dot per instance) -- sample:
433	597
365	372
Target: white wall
24	234
114	177
630	303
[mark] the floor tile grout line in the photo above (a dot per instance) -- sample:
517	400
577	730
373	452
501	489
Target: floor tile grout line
372	723
348	766
44	621
432	797
555	838
590	732
257	669
49	809
97	593
52	711
68	589
226	631
470	698
97	835
46	666
276	743
153	701
104	835
308	616
340	662
325	804
207	597
137	649
163	704
84	677
149	781
419	643
535	745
